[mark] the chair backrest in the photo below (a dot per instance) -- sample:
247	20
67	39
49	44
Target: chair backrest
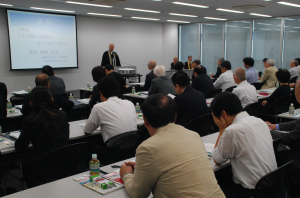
293	80
281	105
201	125
66	161
213	93
230	89
7	124
275	144
252	109
272	184
257	85
121	147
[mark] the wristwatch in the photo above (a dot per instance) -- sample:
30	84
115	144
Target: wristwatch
125	175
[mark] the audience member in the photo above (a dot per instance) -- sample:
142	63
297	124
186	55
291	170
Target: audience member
58	100
197	63
3	99
173	158
252	73
161	83
244	91
294	70
113	115
283	77
219	72
150	76
98	72
122	84
46	129
225	80
269	79
292	140
264	67
175	60
190	102
202	82
56	84
245	141
178	67
189	64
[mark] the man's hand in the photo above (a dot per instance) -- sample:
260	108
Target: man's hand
292	85
220	122
271	126
124	169
211	75
132	164
264	103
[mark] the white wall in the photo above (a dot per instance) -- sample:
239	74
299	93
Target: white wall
136	42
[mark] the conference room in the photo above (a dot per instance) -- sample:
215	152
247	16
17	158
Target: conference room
149	98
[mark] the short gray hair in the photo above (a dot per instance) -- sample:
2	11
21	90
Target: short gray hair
295	62
221	60
160	71
240	73
271	62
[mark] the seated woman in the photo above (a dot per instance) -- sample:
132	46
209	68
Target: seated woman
46	129
98	72
283	77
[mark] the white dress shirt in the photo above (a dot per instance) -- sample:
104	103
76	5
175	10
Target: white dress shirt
248	143
225	81
246	93
294	72
114	116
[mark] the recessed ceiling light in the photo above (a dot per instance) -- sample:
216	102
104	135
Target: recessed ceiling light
226	10
140	10
178	21
186	15
111	15
2	4
263	15
50	9
89	4
267	0
153	19
220	19
289	4
190	4
264	24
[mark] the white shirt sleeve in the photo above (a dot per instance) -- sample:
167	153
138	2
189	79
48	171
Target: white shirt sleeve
93	122
219	82
226	148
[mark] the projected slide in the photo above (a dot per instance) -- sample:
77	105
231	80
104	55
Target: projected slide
38	39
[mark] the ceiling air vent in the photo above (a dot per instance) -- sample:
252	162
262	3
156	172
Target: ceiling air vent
249	6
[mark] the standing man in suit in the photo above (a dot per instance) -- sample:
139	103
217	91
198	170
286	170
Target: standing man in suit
56	84
219	72
175	60
269	78
150	76
202	82
190	102
189	64
110	57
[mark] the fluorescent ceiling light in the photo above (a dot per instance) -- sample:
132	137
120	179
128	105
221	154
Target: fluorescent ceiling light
2	4
153	19
291	19
293	31
231	26
190	4
178	21
263	15
264	29
296	27
289	4
186	15
215	18
264	24
246	27
284	26
50	9
111	15
226	10
209	24
141	10
89	4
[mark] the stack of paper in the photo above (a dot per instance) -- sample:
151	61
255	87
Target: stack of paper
14	134
209	148
22	92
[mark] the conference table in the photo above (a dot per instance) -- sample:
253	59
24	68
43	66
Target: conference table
294	116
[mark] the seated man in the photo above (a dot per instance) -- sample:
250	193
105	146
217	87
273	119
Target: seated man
98	72
171	163
122	84
189	64
291	139
197	63
269	79
58	101
225	80
113	115
201	81
56	84
244	91
161	83
190	102
252	73
150	76
175	60
218	73
178	67
245	141
294	69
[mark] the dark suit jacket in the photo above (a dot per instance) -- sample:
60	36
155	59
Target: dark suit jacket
172	66
58	102
203	83
105	59
3	93
219	72
190	104
162	85
57	85
204	68
95	96
121	82
186	66
149	77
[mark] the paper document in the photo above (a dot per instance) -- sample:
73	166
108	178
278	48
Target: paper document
209	148
22	92
15	134
82	125
18	106
171	96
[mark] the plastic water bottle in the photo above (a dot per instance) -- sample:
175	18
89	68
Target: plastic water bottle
133	90
88	85
94	165
29	90
137	108
292	109
277	84
8	105
127	82
71	96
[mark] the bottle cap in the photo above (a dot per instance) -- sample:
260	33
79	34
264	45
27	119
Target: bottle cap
292	104
94	156
71	94
137	103
28	87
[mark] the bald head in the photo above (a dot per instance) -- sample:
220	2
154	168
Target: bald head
111	47
175	59
42	80
239	75
151	64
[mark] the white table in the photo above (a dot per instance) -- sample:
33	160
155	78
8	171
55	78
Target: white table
17	113
294	116
268	90
142	96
